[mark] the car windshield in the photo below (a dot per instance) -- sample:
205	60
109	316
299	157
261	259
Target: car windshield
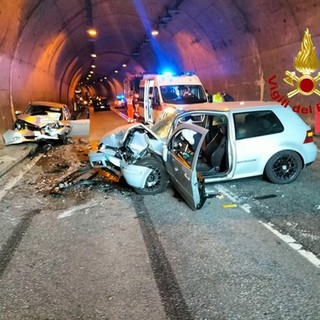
163	128
40	109
183	94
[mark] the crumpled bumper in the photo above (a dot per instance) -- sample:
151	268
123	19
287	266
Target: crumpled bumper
15	136
106	160
25	135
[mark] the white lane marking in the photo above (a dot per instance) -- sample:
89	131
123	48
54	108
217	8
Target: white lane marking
73	210
293	244
244	206
286	238
13	181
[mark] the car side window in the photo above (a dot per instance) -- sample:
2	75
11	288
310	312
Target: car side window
256	123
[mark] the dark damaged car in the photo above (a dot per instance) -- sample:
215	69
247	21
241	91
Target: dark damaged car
199	146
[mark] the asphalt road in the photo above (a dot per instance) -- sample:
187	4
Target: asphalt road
96	250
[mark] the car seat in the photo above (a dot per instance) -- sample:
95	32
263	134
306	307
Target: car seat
215	150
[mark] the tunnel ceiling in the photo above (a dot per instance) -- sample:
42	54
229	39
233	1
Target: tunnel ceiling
234	44
123	30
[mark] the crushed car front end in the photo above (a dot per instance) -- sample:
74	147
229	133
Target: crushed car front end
33	129
121	151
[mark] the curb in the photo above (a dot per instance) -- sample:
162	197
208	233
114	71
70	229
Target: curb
11	155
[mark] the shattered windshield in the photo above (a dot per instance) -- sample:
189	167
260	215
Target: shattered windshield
40	109
183	94
163	128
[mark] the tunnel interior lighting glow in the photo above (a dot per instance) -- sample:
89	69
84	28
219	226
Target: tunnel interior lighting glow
124	65
155	32
93	55
92	32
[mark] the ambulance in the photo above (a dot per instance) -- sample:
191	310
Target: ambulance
160	91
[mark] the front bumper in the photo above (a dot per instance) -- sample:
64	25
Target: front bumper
106	161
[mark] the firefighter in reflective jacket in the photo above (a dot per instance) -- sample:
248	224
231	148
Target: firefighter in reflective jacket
217	97
130	107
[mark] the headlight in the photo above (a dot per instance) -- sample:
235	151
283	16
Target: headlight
20	125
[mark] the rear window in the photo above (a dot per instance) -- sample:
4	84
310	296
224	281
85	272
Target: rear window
255	124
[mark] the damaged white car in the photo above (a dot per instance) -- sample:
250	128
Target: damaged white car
199	146
40	120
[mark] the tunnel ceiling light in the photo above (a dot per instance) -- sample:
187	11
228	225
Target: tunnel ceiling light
93	55
124	65
116	71
91	72
155	32
105	78
93	66
92	32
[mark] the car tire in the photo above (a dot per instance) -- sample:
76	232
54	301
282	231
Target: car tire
284	167
157	179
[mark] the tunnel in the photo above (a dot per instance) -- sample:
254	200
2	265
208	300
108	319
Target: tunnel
50	48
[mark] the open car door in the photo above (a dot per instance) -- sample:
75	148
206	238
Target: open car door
182	156
79	128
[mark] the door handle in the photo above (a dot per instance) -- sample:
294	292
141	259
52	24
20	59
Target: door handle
187	177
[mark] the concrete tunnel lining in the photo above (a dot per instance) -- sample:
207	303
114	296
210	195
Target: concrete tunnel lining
231	45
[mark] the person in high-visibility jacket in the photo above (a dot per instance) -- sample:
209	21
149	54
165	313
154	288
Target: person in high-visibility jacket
130	107
217	97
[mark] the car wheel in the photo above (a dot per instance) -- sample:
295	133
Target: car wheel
283	167
157	179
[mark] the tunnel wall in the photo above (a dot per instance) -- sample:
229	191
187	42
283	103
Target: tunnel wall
235	46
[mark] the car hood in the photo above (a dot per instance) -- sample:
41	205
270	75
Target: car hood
40	120
116	137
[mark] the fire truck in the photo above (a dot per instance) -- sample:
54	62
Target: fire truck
159	91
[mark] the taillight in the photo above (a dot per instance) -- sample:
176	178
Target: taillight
309	137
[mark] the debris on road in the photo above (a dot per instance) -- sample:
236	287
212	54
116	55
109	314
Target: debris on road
229	205
77	178
267	196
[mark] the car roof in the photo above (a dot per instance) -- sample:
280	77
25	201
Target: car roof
48	103
232	106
